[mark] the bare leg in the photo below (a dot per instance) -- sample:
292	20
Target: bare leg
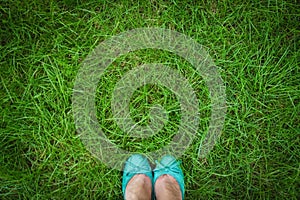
139	188
167	188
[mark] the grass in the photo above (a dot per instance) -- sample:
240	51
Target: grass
255	45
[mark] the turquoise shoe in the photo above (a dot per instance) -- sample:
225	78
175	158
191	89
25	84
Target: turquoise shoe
169	165
136	164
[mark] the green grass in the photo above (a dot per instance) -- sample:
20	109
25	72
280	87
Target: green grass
255	45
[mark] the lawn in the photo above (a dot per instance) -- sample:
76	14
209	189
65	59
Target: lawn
254	44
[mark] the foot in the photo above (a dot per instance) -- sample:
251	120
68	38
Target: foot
167	188
139	188
137	178
168	179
